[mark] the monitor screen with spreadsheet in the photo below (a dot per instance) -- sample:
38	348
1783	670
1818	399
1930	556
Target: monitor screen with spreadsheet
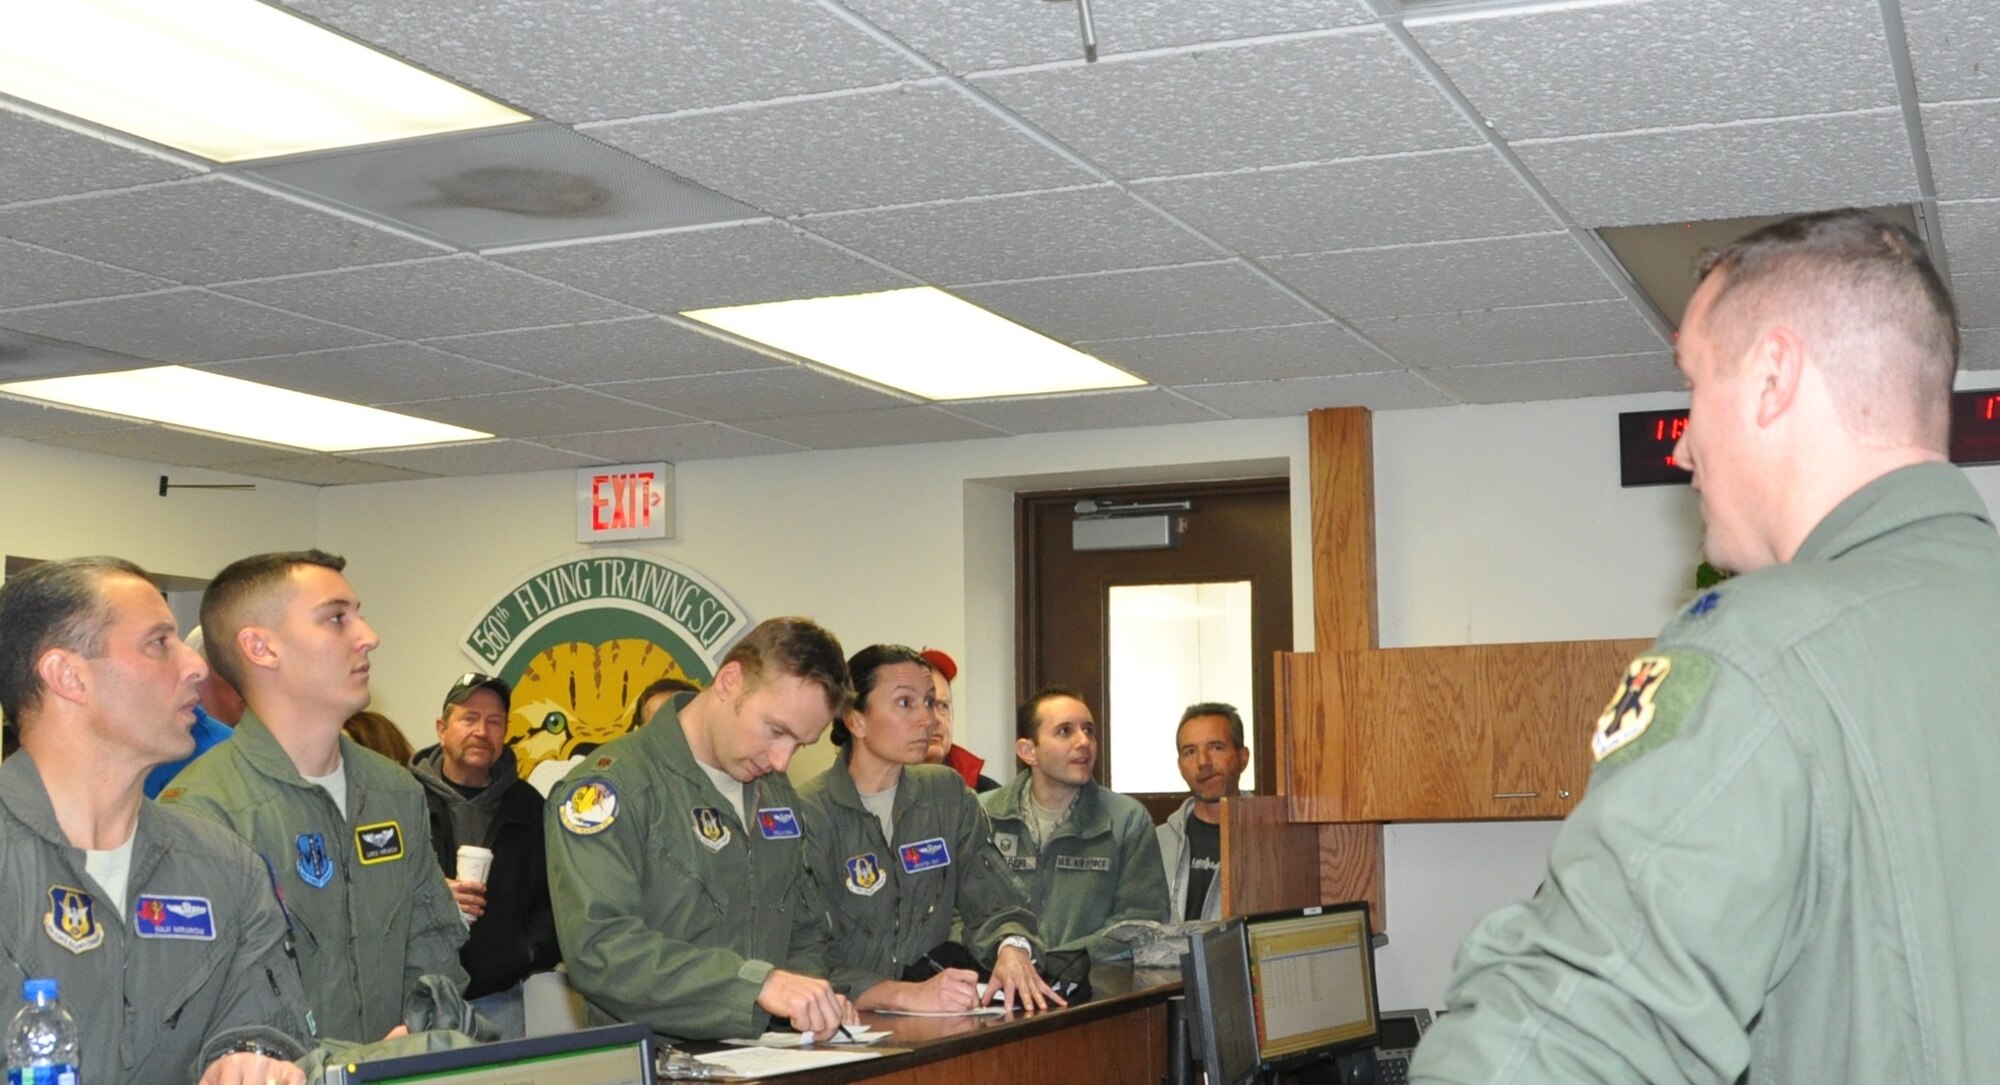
611	1055
1313	972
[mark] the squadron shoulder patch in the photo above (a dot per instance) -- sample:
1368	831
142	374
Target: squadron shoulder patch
381	842
864	875
591	808
315	865
1650	703
71	921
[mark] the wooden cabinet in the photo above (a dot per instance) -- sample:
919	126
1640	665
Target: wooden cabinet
1457	733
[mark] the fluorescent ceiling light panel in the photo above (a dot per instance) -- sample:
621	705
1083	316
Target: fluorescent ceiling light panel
240	409
921	340
230	80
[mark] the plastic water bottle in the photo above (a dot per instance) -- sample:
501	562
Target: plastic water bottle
41	1041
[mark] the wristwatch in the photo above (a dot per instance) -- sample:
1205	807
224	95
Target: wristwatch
1021	944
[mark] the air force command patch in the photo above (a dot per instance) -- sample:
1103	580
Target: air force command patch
864	875
1654	697
709	829
590	808
174	917
381	842
72	921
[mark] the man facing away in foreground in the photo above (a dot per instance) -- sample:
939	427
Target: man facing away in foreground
1785	862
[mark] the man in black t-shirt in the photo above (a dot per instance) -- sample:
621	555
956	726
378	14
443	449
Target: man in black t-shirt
1212	757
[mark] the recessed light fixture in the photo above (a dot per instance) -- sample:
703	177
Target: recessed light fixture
921	340
230	80
243	410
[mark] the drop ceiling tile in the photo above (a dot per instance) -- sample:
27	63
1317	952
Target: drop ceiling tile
1394	391
1447	276
871	429
757	393
588	61
613	350
540	413
1726	171
324	470
696	269
481	458
384	373
206	230
1972	233
1015	236
45	159
158	444
1151	301
1358	203
1299	350
37	276
1979	348
30	420
1084	411
1952	46
1338	95
675	444
452	295
31	357
903	144
184	325
1964	148
1978	295
1492	336
1570	378
1579	68
974	37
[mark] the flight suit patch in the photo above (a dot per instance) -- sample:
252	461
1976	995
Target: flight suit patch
315	865
71	921
1007	843
778	823
1097	863
174	917
590	808
1652	700
709	829
924	855
864	875
381	842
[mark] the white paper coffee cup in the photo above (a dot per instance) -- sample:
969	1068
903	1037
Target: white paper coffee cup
474	862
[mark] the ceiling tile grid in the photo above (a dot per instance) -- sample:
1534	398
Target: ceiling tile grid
383	373
636	348
1484	273
1568	378
45	160
1288	398
324	470
1965	148
38	276
1242	354
1090	410
183	325
1952	46
1491	336
756	393
872	428
694	441
481	458
450	295
1122	304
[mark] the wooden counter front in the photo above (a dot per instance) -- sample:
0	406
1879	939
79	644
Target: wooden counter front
1119	1037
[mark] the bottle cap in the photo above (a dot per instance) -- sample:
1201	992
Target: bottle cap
39	989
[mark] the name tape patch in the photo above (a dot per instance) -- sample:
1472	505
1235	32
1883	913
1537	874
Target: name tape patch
381	842
778	823
174	917
924	855
1083	862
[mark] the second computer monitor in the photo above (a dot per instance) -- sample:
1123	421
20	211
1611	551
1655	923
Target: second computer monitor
1220	1016
1313	971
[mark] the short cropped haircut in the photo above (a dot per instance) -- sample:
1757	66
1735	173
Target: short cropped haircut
1024	716
238	597
1881	319
801	648
658	686
55	604
1213	708
862	667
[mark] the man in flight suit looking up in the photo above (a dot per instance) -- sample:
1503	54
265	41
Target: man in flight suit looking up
676	852
345	829
162	929
1785	863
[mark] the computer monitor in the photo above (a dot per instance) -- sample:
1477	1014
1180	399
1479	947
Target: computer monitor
1313	976
613	1055
1215	977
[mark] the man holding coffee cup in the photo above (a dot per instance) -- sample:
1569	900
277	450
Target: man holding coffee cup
486	827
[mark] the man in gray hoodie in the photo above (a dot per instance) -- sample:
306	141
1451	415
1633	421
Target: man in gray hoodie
476	797
1212	758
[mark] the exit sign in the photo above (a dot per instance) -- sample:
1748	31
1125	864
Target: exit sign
629	501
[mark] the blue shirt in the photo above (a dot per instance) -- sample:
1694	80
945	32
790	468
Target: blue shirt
208	733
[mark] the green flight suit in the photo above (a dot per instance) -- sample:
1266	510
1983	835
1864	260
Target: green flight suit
1785	863
668	909
1101	867
164	981
889	905
370	910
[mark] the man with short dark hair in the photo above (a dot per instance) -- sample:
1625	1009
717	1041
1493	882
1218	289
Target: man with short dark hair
1087	853
476	798
676	858
344	828
1784	867
1212	758
162	929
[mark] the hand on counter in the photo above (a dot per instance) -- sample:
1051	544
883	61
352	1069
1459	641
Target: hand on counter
1015	976
810	1004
